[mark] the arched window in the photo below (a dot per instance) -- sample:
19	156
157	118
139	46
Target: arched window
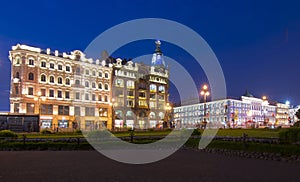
99	85
30	76
17	75
94	73
100	74
51	79
67	81
105	98
87	84
87	72
77	82
59	80
17	60
106	75
106	86
43	78
93	85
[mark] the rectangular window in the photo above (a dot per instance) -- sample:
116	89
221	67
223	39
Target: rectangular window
142	103
152	96
77	95
67	95
152	104
43	92
47	109
89	111
142	94
30	91
51	65
16	107
59	94
30	108
129	103
93	97
103	112
77	111
130	93
17	90
51	93
87	96
63	110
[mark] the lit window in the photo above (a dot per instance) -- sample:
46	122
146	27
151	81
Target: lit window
130	84
119	82
153	88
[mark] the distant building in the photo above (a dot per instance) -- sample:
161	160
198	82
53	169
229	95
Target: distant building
229	113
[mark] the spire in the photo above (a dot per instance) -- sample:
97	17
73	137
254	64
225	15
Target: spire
157	58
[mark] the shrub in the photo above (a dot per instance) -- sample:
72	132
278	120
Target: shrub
45	131
78	131
7	133
196	132
297	124
291	135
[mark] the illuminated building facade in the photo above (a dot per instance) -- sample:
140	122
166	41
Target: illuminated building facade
230	113
140	92
66	90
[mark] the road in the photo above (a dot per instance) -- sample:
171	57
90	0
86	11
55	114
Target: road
185	165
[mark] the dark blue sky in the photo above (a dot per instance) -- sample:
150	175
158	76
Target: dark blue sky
256	42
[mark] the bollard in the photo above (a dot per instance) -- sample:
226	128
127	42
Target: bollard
245	140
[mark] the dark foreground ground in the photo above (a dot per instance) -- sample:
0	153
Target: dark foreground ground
184	165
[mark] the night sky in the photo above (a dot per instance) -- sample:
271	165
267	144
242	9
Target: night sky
256	42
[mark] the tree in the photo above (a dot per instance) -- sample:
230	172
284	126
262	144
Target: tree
298	114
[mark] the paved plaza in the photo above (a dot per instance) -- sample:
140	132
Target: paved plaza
184	165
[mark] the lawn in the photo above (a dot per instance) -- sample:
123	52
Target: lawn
260	133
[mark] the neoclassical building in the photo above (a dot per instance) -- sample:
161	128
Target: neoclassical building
66	90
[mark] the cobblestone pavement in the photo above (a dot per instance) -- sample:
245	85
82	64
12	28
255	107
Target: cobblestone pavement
185	165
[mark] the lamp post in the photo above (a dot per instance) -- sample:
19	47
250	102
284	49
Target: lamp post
38	99
204	92
168	109
264	98
112	105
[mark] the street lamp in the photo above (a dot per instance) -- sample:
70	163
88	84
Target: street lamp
204	92
264	98
38	99
168	111
113	105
